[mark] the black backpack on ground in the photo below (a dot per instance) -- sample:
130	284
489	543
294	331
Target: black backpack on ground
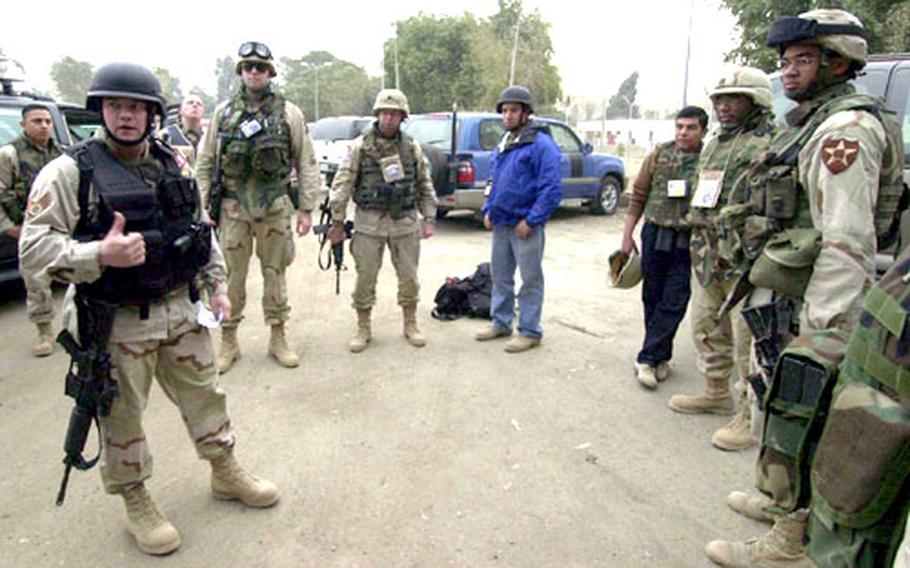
465	296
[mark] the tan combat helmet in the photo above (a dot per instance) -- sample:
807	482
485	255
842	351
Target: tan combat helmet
625	269
255	52
837	30
748	81
391	99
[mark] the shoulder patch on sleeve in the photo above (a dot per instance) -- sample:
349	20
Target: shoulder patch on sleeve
36	206
838	154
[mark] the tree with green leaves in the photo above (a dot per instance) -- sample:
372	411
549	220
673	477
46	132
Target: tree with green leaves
72	79
226	77
343	87
887	23
618	105
446	59
170	85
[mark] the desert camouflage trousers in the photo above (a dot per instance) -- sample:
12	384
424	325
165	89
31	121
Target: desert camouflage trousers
39	301
368	251
185	369
274	246
722	344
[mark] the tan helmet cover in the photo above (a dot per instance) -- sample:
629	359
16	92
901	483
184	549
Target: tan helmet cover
391	99
748	81
850	46
625	270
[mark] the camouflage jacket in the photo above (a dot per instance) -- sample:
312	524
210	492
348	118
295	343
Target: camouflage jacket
730	152
20	162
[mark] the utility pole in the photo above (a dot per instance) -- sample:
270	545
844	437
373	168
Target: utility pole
397	85
688	51
515	49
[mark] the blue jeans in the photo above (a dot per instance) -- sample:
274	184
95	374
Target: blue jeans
665	292
527	254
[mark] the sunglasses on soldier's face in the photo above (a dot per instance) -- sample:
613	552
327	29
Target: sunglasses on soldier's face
251	47
250	66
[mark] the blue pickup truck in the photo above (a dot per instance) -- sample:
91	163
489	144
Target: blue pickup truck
595	179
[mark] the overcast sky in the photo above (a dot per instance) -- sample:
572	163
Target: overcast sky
597	44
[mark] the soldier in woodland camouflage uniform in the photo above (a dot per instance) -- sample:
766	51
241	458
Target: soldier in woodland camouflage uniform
260	137
825	190
20	162
661	193
386	174
97	218
742	102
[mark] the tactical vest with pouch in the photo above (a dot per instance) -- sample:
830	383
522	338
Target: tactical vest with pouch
779	202
861	472
256	152
177	242
387	179
672	181
30	161
796	406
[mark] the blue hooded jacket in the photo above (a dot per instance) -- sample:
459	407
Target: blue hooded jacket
526	179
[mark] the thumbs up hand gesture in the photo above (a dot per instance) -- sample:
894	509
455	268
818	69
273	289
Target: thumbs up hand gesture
121	250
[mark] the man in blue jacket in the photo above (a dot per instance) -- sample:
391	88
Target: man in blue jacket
526	189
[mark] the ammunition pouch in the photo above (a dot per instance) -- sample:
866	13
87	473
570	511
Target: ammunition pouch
796	407
860	479
786	261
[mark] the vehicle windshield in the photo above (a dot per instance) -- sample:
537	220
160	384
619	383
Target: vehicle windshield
337	128
431	130
9	124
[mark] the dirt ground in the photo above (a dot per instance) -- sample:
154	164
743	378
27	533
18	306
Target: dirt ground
457	454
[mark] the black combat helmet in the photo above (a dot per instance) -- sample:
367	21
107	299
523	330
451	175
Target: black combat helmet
515	94
126	80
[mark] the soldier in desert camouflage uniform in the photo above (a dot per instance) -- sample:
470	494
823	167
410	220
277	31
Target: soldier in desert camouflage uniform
742	103
825	190
261	138
20	162
87	224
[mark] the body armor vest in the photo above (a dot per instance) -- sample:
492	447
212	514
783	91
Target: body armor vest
731	153
30	160
177	245
671	164
256	151
778	201
861	472
372	191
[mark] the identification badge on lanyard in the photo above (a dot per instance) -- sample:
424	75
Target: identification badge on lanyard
250	128
676	188
707	192
391	167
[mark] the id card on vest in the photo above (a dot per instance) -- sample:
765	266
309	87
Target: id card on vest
676	188
707	191
392	168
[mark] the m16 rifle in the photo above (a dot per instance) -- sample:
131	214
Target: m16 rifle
335	257
88	381
216	188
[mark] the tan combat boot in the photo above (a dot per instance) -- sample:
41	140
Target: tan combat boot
230	481
153	533
717	400
278	348
361	340
45	344
230	349
411	332
737	434
781	547
751	505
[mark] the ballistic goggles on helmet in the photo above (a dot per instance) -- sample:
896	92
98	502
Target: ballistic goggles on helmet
250	48
791	29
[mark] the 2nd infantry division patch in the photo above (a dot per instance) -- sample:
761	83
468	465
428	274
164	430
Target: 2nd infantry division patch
838	154
36	206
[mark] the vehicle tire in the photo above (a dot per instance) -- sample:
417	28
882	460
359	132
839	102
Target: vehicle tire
438	165
607	200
